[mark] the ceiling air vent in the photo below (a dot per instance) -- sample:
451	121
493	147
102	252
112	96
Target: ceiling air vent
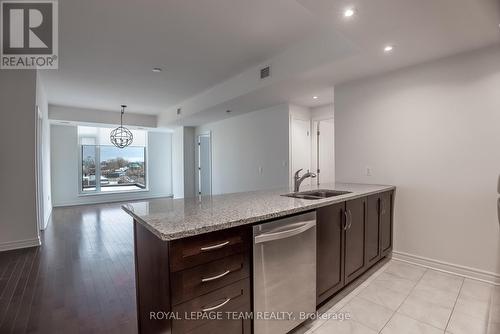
265	72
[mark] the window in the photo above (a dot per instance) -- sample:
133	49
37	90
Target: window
89	158
117	170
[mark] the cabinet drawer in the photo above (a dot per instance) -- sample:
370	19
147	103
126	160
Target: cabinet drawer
232	298
204	278
189	252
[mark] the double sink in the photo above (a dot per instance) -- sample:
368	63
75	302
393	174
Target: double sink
317	194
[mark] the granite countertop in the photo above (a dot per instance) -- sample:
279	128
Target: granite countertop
171	219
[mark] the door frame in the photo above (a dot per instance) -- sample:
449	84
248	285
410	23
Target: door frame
198	160
39	170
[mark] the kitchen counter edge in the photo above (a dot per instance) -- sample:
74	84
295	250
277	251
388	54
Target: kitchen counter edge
308	206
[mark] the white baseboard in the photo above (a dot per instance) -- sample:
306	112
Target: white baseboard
10	245
477	274
106	199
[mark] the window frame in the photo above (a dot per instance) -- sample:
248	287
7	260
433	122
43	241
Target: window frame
97	191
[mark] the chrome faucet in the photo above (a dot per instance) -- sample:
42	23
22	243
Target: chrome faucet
297	180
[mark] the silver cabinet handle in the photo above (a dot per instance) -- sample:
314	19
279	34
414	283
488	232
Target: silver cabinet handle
346	222
302	227
213	308
382	206
209	248
350	219
213	278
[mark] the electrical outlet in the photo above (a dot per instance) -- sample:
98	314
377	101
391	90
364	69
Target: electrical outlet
261	170
368	171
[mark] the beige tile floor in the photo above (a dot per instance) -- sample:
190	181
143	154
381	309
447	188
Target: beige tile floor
400	298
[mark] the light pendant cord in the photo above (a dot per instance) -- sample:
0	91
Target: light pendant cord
121	116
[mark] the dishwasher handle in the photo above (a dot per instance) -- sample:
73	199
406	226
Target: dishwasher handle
302	227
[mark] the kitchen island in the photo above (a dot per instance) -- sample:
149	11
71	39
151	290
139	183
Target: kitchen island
195	254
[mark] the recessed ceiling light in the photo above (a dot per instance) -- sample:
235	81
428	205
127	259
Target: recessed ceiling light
349	12
388	48
315	97
157	69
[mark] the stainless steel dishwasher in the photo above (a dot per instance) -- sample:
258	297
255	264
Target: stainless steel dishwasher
284	262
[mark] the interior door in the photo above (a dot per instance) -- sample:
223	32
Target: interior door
386	222
330	251
326	152
204	165
301	145
355	238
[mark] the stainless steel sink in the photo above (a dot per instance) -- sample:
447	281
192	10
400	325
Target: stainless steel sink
317	194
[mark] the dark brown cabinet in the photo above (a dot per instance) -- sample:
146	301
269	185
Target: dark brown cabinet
386	205
212	271
330	250
351	237
378	226
195	275
355	238
372	237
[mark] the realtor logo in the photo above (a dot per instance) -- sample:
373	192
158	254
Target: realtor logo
29	35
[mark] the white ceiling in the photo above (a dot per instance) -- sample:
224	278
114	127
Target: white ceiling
108	48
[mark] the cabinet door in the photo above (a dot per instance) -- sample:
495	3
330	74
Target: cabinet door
355	238
372	235
329	257
386	210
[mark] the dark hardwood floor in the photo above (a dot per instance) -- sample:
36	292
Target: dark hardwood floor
81	280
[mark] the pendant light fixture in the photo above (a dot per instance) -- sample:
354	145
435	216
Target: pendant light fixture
121	137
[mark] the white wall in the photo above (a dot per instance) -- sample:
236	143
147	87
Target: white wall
41	101
178	162
434	132
244	143
189	161
323	112
160	164
65	167
18	226
299	112
183	160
